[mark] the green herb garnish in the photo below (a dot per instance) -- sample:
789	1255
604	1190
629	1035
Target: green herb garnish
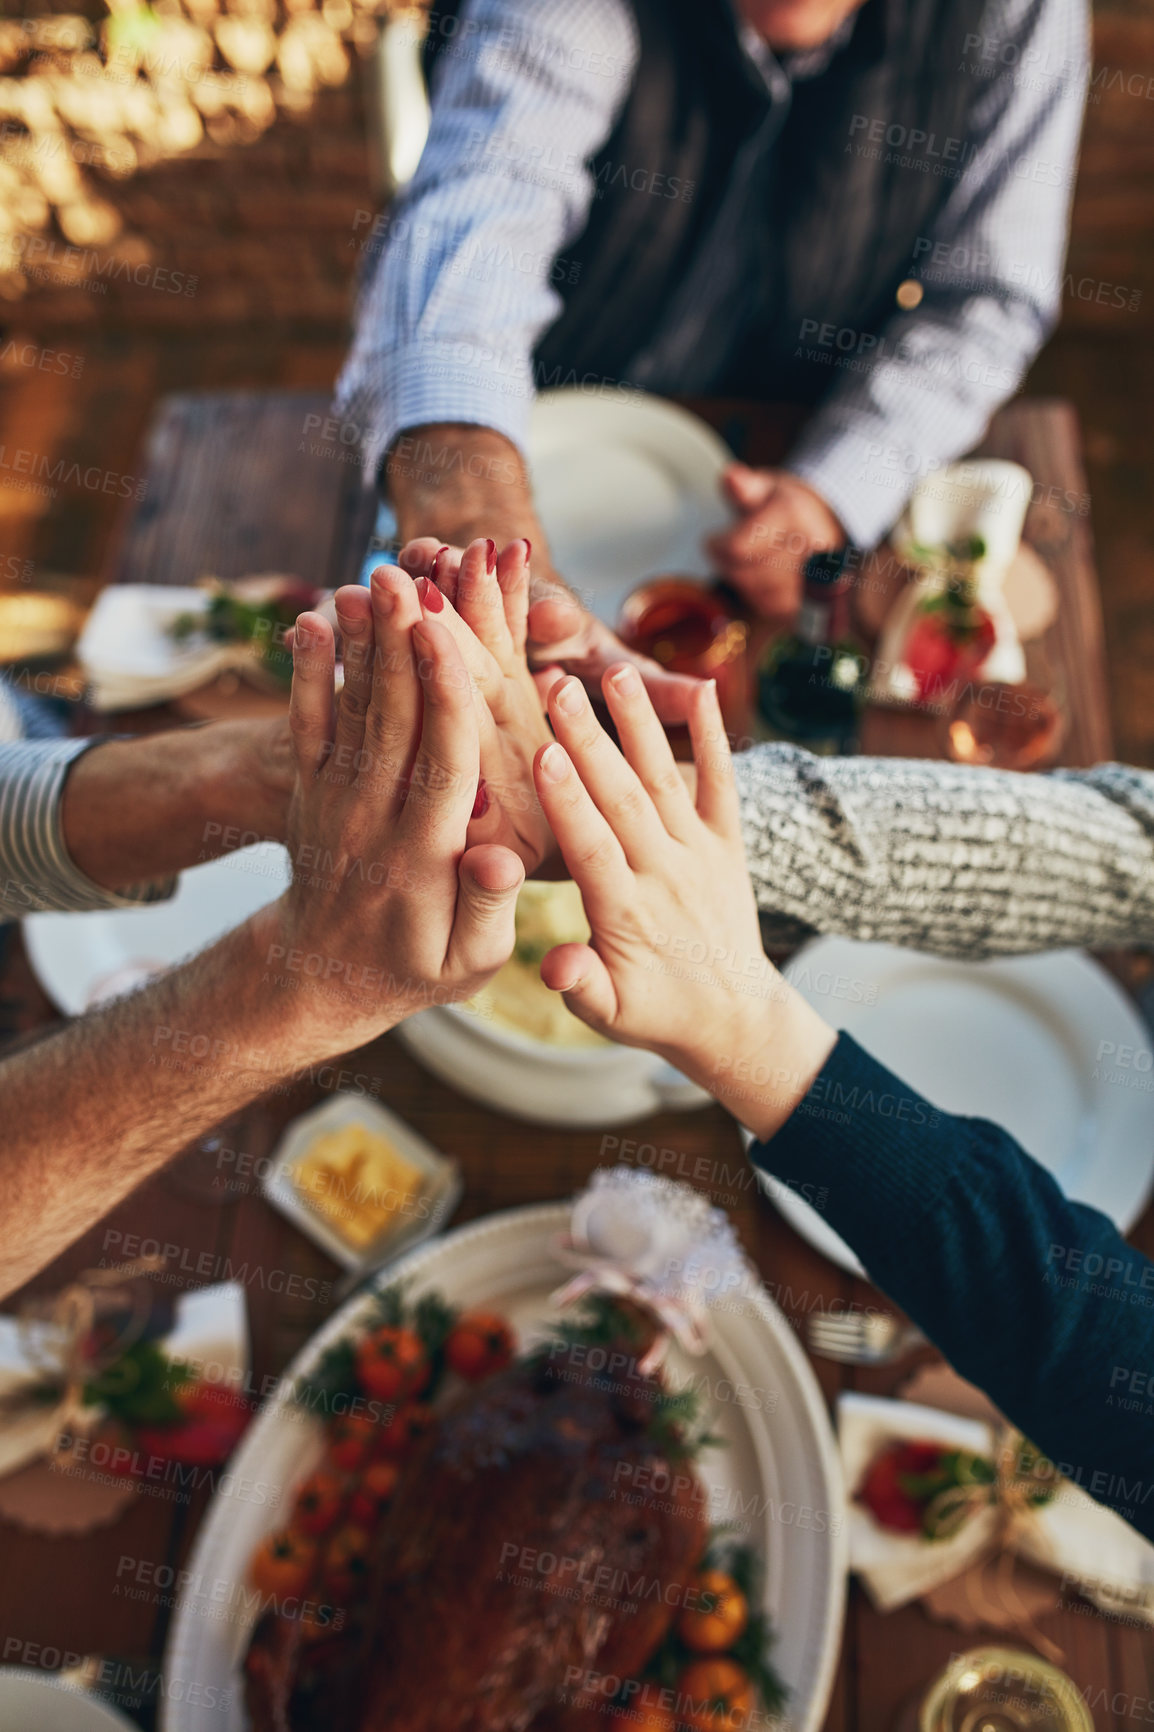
139	1388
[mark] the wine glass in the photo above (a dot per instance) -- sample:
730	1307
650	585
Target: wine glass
1003	1690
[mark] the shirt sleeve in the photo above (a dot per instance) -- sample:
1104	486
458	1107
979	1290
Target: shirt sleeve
36	871
471	254
990	270
1037	1300
948	858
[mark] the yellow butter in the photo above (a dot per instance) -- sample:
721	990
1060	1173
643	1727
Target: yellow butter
358	1182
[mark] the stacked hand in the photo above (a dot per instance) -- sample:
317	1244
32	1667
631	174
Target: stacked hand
675	962
394	905
559	633
482	598
422	793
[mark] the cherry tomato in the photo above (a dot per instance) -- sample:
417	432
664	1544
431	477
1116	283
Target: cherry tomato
345	1570
284	1564
319	1502
374	1493
717	1617
715	1695
407	1425
392	1364
937	652
352	1439
479	1344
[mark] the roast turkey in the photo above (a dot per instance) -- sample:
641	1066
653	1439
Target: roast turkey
528	1545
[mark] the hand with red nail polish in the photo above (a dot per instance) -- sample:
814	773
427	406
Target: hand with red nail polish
487	618
559	632
431	598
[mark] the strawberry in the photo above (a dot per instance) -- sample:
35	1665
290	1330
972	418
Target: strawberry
210	1428
884	1494
949	639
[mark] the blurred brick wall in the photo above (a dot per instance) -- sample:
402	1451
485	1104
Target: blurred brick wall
236	235
1112	237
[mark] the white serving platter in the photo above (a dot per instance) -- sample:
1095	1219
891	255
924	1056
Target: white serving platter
779	1479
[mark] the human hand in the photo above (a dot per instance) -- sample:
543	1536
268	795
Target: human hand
782	521
563	636
675	962
390	909
144	808
250	768
482	597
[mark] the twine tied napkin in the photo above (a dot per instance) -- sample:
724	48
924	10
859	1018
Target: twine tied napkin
41	1388
1011	1560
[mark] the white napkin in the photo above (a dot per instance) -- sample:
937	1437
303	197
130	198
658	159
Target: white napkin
210	1329
897	1567
1096	1553
986	497
982	496
131	659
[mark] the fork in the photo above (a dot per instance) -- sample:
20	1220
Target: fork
861	1337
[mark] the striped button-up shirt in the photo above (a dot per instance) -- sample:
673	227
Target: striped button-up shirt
36	869
462	273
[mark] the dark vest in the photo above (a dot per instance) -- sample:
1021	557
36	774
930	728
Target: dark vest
848	188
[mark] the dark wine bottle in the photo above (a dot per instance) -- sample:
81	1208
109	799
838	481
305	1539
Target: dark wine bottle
811	682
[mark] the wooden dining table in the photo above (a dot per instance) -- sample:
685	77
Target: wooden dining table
240	483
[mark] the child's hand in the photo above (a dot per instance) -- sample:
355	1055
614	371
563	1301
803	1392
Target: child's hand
675	963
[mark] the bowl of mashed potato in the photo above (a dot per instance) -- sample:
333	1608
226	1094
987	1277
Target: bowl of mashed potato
516	1046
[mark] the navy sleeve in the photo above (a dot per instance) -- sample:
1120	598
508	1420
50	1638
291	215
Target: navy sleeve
1036	1299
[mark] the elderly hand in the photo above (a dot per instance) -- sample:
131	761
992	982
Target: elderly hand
675	962
781	522
140	809
390	909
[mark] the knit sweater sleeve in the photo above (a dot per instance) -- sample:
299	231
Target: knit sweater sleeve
947	858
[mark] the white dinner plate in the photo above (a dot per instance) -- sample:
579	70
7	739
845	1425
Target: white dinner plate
1048	1047
33	1701
779	1477
80	958
626	487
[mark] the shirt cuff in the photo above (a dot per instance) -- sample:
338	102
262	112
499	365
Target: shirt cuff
862	1146
425	383
36	871
848	470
